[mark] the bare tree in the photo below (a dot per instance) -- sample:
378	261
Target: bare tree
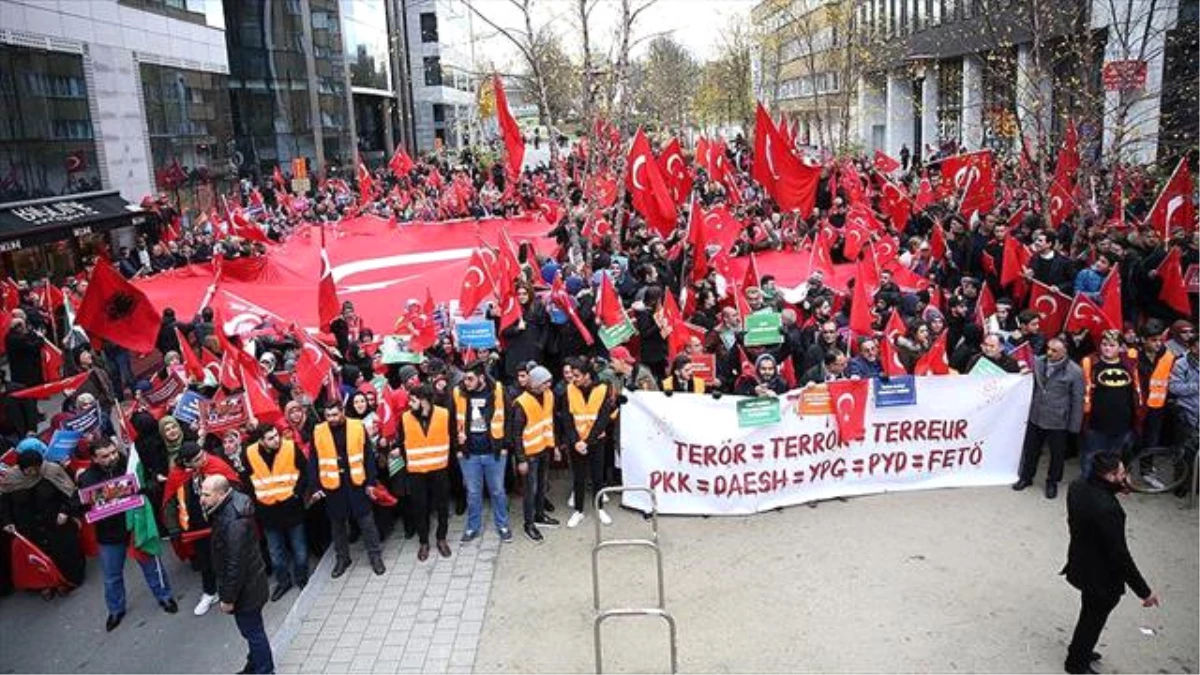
668	79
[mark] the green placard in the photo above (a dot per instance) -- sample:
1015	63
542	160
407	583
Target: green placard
758	412
762	328
393	351
618	334
985	368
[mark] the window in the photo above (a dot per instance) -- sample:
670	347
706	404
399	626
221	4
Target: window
439	112
433	71
429	27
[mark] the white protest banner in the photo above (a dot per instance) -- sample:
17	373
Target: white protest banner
691	451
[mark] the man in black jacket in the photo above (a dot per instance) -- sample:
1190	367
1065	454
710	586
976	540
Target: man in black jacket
113	536
1098	560
241	574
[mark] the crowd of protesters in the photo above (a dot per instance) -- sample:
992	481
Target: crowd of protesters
386	450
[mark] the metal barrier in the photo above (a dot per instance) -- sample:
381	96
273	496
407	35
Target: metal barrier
652	543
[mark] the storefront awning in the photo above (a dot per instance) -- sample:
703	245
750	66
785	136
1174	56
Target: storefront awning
44	221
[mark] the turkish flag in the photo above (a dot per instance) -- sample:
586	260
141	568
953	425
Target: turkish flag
1062	201
791	182
720	227
896	205
1110	297
885	163
260	399
1051	305
937	242
1068	156
1174	291
787	371
328	306
277	177
419	325
894	328
1174	207
934	361
675	171
400	163
32	569
760	169
52	362
1085	314
609	310
970	175
924	193
474	285
855	236
985	305
560	298
548	209
1024	354
752	278
849	408
115	310
514	143
50	389
860	214
1016	258
860	309
889	358
820	258
191	363
312	366
648	189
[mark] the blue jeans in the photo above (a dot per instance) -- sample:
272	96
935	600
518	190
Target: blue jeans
279	540
1095	441
476	469
112	561
250	625
534	499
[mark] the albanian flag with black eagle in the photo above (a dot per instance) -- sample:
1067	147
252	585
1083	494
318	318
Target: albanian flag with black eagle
115	310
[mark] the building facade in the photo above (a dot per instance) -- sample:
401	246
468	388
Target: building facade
444	80
951	74
101	96
799	67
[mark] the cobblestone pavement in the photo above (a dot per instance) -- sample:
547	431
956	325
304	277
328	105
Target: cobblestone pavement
417	618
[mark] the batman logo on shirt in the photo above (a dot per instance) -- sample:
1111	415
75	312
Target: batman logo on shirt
1113	377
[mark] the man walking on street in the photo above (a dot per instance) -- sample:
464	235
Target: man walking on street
533	434
279	475
344	468
112	534
1057	411
1098	560
479	407
241	575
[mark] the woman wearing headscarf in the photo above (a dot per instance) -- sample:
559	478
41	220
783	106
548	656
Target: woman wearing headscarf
297	426
37	501
173	436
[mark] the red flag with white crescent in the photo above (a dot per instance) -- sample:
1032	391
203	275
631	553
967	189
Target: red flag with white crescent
475	285
934	361
849	408
1051	306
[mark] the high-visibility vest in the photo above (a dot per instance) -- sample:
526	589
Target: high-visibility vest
697	385
1160	378
276	483
327	458
461	411
427	450
538	434
584	413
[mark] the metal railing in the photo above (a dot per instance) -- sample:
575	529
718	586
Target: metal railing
651	543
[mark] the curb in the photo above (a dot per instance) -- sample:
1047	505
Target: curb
281	641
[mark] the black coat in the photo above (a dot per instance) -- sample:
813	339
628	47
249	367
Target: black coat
236	556
24	358
1098	559
111	530
525	344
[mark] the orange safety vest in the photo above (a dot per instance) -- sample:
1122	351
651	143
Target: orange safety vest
427	451
584	413
327	459
1160	378
276	483
460	411
538	434
697	385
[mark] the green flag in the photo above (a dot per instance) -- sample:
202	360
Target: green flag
140	521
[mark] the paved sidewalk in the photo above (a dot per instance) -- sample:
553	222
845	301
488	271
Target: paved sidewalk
416	618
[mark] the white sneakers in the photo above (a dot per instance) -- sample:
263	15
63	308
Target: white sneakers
578	516
206	603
